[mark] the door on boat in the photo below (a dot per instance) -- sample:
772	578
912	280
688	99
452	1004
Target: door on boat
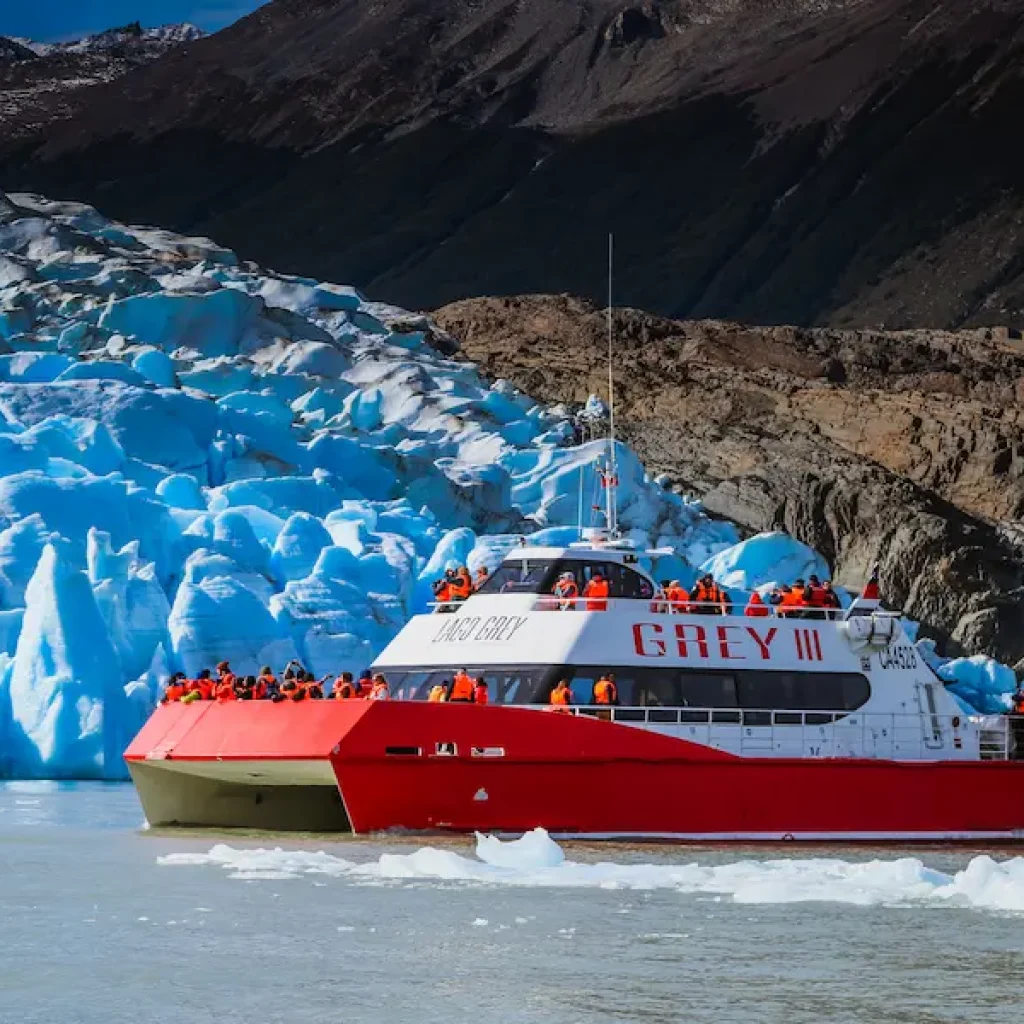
931	723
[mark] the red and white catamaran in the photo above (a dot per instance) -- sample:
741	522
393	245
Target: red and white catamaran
728	728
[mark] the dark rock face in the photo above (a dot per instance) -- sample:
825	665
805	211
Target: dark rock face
840	162
752	420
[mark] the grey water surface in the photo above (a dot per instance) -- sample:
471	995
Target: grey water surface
95	931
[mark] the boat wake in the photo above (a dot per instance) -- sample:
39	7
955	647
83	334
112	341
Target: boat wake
536	860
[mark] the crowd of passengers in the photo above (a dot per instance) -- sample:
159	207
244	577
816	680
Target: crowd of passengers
295	684
808	599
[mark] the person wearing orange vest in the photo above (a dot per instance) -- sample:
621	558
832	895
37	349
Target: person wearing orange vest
756	608
566	591
677	597
561	695
708	598
794	601
225	687
439	693
364	687
344	688
482	576
596	593
1018	700
381	690
443	593
462	688
605	690
830	600
292	688
461	587
480	692
175	689
205	685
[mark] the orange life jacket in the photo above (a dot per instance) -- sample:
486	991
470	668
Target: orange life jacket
364	687
561	696
343	690
596	592
605	692
704	596
756	608
206	689
480	695
226	688
677	600
462	688
174	692
461	587
818	597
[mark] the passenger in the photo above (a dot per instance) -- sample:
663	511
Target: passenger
365	685
481	577
462	587
205	685
678	598
814	598
605	690
596	593
708	598
225	688
756	608
245	689
480	693
793	603
462	688
566	591
314	687
1018	700
266	684
561	695
778	595
381	690
439	692
175	689
443	591
871	590
830	600
344	687
293	688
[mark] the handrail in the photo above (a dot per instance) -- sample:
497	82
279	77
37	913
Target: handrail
658	606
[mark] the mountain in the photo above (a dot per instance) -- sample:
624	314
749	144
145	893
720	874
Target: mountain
842	162
897	449
37	80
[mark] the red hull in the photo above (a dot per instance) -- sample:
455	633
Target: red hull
515	769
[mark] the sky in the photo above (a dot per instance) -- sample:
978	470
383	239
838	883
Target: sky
55	20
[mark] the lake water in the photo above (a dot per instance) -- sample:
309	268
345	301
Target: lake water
105	923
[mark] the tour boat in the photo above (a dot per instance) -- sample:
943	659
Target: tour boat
728	727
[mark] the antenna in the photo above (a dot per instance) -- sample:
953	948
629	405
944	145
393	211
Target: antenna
612	480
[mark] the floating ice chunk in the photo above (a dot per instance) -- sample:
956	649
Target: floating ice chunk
764	559
533	850
66	693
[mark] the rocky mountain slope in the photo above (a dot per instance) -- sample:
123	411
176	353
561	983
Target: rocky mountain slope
898	448
38	80
808	161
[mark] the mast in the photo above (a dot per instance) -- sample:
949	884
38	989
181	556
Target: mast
612	479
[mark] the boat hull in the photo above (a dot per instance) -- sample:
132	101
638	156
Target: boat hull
375	767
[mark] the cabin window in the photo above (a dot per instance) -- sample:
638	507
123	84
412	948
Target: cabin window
539	575
708	690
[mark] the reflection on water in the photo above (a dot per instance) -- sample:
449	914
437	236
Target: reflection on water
106	935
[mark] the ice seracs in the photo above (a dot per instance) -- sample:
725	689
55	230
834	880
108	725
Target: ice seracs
250	466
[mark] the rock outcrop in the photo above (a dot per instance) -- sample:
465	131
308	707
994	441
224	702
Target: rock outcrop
898	448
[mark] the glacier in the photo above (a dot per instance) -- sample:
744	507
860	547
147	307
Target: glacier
202	459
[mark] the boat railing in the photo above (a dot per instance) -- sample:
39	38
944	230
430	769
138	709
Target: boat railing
802	733
660	607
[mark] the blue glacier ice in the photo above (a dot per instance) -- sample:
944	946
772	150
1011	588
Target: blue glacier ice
202	460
